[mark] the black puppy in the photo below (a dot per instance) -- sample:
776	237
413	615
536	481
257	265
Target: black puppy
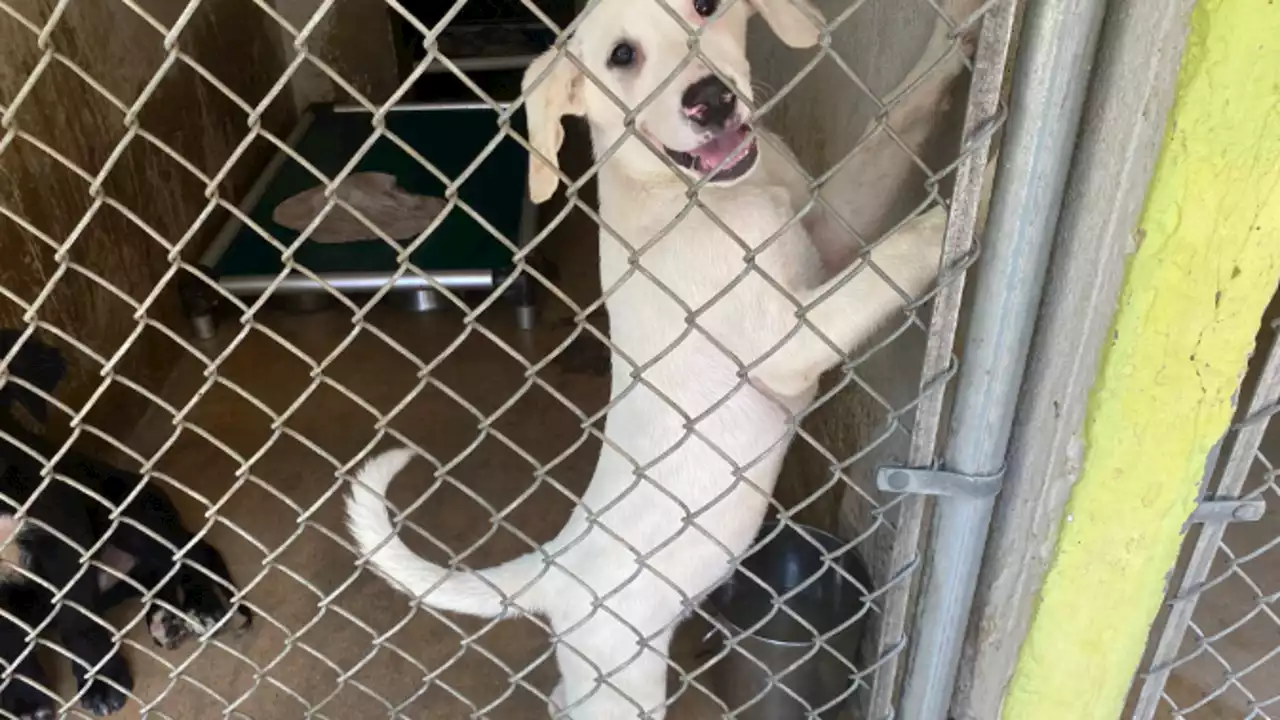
65	520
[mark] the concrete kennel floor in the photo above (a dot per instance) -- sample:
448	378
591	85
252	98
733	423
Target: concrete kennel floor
321	660
311	661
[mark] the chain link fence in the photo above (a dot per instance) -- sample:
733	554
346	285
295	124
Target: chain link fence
1214	653
330	640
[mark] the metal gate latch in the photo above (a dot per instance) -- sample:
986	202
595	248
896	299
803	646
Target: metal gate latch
923	481
1228	511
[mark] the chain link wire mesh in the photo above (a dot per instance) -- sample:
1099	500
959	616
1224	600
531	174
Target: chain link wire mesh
1215	655
299	618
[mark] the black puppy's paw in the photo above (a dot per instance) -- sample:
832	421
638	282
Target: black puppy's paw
204	608
27	703
102	699
170	630
167	628
107	698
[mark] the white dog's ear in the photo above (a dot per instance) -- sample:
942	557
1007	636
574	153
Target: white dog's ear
552	89
796	22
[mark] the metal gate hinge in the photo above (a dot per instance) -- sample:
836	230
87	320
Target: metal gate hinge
1228	511
923	481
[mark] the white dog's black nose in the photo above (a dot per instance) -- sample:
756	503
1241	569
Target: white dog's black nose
709	102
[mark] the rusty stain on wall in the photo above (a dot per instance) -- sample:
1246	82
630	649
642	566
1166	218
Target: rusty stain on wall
123	52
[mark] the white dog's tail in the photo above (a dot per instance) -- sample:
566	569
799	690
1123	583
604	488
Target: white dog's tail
486	593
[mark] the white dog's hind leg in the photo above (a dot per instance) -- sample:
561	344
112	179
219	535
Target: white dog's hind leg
850	307
608	675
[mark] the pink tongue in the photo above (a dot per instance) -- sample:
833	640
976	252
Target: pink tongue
715	152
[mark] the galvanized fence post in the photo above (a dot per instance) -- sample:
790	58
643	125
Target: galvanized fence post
1051	74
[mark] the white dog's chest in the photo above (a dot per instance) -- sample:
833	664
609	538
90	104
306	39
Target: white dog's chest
696	275
695	307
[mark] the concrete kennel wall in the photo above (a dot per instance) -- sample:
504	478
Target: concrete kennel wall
236	42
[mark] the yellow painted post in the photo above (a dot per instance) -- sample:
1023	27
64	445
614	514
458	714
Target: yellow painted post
1206	264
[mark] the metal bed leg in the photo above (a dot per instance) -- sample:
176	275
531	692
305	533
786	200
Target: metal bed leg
522	290
424	300
198	303
204	327
526	308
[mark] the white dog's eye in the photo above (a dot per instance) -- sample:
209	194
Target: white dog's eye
705	8
623	55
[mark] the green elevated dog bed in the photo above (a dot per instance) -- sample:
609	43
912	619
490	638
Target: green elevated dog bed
459	253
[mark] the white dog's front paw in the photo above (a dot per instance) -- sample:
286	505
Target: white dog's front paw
911	256
929	230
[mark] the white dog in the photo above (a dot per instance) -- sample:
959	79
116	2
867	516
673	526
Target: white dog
696	436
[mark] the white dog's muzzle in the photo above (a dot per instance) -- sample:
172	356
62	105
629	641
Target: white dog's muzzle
730	154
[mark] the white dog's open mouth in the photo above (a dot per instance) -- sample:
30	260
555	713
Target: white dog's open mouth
730	155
